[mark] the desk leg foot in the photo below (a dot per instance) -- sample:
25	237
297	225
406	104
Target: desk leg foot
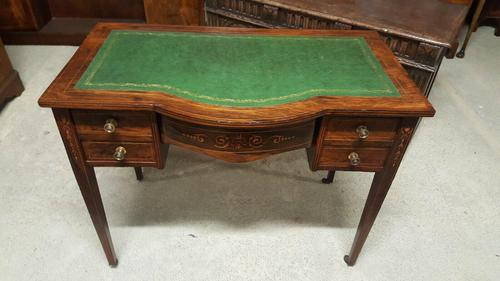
114	265
347	260
329	177
87	182
138	173
380	186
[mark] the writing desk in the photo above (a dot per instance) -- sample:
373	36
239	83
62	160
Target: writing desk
238	95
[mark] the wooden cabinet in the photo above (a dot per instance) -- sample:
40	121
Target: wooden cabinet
104	9
10	84
67	22
23	14
491	15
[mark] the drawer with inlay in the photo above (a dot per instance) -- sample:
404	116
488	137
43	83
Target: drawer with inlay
120	153
236	140
353	158
360	131
114	125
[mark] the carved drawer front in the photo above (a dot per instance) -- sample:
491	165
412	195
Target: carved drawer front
422	77
238	140
360	131
413	50
114	125
353	158
120	153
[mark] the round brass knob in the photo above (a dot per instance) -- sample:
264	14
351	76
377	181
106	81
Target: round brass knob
362	132
119	153
354	158
110	126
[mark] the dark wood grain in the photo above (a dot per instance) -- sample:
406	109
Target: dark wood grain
176	12
110	9
490	15
23	14
10	83
57	31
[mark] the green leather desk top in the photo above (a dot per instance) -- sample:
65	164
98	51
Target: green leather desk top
237	70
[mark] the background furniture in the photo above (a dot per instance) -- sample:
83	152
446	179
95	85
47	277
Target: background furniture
133	128
472	27
486	12
419	33
491	15
67	22
10	83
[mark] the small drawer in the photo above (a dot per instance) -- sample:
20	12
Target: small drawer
358	131
353	158
120	153
120	125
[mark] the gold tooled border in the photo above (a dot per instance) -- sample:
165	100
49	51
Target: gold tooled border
115	34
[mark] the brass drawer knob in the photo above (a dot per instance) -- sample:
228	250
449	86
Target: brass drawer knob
120	152
362	132
354	158
110	126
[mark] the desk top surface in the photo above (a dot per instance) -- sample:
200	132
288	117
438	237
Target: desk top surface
237	70
236	76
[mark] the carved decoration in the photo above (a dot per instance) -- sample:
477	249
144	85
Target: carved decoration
66	129
404	137
195	137
239	141
421	77
215	20
280	139
418	52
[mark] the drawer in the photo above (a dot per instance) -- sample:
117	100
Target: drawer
125	125
338	157
359	131
238	140
107	153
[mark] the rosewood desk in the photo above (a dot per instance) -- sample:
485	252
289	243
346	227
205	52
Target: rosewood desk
238	95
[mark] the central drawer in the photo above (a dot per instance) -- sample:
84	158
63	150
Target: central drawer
237	140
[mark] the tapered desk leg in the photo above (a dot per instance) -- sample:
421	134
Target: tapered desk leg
380	186
138	173
329	177
85	177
